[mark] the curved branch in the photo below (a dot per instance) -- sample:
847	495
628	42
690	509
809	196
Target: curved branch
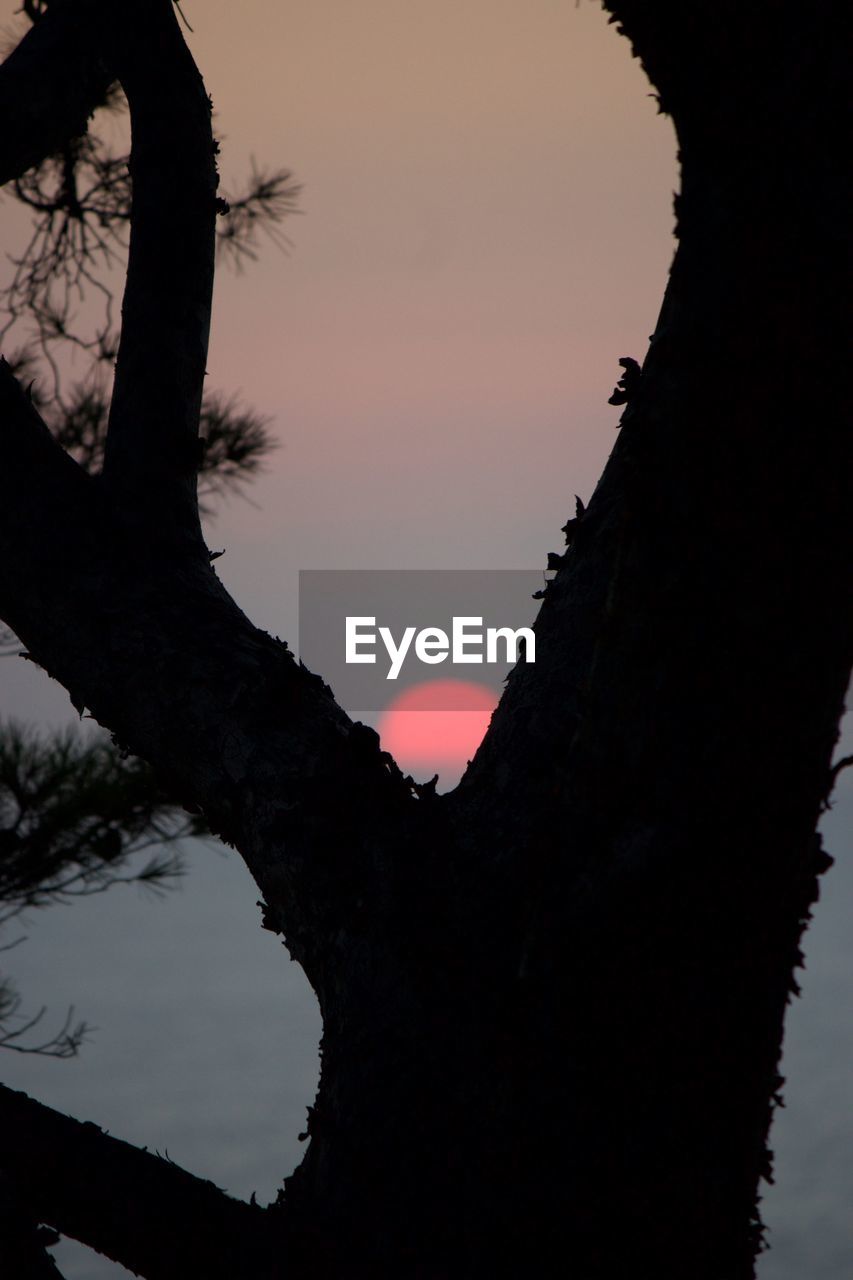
109	1194
164	658
49	86
152	453
51	83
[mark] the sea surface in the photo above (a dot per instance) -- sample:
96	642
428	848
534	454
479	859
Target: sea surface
206	1037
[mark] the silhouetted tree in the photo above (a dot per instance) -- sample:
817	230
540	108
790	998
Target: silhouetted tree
75	812
553	999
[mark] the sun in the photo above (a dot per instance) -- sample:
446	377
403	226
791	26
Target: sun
436	726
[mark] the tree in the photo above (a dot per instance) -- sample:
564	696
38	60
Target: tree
75	812
553	999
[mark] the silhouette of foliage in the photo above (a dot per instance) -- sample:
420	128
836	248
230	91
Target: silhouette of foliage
80	203
236	439
16	1029
74	814
268	199
80	200
76	818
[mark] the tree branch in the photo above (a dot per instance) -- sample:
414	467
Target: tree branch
51	509
23	1243
152	453
51	83
123	625
137	1208
161	655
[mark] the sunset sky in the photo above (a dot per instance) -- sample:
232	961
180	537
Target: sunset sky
485	228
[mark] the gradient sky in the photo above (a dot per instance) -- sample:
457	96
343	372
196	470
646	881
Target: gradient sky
486	229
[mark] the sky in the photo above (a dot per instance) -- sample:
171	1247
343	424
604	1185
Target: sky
485	228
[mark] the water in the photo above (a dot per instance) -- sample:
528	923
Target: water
207	1037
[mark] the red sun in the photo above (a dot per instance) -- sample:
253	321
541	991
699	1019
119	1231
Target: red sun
436	727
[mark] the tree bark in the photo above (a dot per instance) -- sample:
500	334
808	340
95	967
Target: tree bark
134	1206
51	83
553	1000
152	443
23	1243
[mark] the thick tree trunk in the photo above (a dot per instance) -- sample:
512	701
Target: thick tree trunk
552	1001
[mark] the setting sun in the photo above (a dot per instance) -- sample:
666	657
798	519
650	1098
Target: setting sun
436	726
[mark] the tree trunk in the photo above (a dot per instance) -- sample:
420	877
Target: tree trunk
553	1000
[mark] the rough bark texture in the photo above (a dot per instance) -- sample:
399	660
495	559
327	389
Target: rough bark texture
553	1000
